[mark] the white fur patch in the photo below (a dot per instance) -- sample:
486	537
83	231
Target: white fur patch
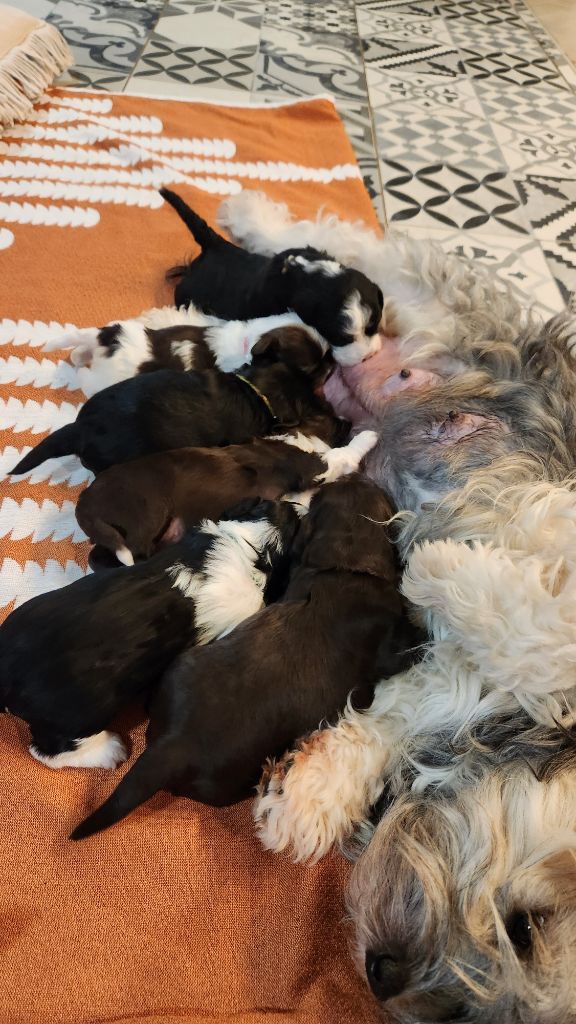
229	587
301	500
232	342
363	346
316	802
124	555
105	369
102	750
184	350
328	268
341	461
311	444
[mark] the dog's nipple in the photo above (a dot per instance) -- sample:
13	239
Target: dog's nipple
453	416
404	374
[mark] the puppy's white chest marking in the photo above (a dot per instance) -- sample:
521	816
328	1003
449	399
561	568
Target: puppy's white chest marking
229	587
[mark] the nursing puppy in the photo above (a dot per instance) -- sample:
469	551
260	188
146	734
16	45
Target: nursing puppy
168	409
174	339
133	508
340	625
72	658
229	282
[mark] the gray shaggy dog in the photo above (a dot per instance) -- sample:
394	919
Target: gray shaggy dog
456	790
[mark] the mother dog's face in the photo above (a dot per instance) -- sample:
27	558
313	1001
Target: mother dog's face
465	908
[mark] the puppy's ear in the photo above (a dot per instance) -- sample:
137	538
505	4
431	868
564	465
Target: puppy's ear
267	349
291	345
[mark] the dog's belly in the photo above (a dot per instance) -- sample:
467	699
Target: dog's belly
357	392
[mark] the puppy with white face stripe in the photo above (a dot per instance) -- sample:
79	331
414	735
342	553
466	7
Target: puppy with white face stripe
227	281
72	658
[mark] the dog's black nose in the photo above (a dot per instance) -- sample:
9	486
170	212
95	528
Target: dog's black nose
387	977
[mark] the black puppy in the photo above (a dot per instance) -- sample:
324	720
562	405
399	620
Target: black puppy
340	626
72	658
166	409
229	282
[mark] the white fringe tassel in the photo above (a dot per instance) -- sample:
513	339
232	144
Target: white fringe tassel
28	69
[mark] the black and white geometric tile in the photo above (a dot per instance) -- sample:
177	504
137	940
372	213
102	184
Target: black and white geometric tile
550	205
443	122
478	12
300	63
202	67
322	20
439	194
561	260
105	35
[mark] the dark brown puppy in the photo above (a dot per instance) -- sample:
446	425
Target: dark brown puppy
340	626
133	508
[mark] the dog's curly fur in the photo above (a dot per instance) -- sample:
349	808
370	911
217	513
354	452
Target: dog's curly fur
463	897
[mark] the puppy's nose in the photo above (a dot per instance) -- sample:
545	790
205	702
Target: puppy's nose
387	977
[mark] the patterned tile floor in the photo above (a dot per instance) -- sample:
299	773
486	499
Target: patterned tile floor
461	112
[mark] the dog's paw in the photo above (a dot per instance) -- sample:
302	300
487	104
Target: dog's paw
300	806
341	461
102	750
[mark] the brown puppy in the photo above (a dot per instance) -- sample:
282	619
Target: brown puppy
134	508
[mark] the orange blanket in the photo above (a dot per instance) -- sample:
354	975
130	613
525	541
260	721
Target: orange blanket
177	914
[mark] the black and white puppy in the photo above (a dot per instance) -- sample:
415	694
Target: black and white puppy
72	658
340	626
168	409
173	339
342	304
136	507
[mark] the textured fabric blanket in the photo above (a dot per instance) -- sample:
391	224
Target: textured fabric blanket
32	54
177	914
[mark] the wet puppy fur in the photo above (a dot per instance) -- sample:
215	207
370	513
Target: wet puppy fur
342	304
72	658
169	409
133	508
341	606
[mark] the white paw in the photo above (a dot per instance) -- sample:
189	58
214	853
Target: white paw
72	339
314	797
297	808
102	750
124	555
341	461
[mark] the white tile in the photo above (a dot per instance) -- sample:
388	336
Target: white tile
211	30
519	261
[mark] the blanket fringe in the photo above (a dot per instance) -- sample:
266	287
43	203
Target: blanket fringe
28	69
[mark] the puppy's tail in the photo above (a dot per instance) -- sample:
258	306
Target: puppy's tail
153	770
62	442
201	231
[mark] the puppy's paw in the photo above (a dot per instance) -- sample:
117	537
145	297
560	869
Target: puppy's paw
81	338
363	442
341	461
102	750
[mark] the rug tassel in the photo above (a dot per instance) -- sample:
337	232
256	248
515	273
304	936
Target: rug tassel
28	69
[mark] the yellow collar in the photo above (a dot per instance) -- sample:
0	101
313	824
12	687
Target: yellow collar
260	395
